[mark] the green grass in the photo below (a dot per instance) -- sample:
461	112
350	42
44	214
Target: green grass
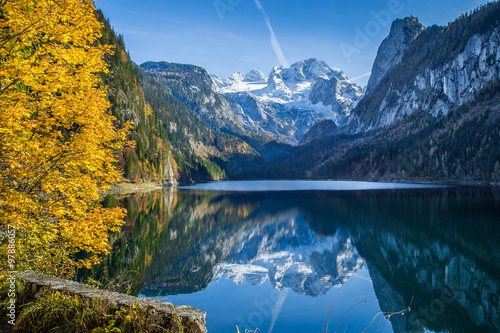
56	311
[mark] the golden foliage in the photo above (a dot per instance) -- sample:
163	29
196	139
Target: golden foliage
56	139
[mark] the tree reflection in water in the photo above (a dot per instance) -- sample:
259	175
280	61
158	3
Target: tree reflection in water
436	249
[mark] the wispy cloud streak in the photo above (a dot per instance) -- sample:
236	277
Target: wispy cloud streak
277	309
361	76
274	41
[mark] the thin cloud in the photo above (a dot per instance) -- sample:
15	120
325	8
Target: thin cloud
361	76
274	41
277	308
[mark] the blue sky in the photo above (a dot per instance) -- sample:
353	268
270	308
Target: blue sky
225	36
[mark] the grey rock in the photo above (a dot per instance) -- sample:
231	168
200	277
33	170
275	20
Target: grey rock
390	52
192	320
254	76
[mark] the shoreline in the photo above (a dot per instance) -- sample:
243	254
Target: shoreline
125	187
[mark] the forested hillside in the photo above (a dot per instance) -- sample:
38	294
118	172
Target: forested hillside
194	87
151	158
171	143
460	146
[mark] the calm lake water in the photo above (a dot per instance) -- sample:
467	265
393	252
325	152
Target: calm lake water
296	260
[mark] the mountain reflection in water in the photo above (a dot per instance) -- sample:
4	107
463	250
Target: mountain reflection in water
436	251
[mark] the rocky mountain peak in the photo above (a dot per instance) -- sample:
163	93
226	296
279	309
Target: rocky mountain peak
254	76
390	52
439	72
310	69
217	81
237	77
275	74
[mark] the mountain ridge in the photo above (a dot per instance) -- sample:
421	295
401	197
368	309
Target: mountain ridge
439	71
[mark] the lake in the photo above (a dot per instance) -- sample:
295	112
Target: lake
304	256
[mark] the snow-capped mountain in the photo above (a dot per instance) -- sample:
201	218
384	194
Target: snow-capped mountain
290	100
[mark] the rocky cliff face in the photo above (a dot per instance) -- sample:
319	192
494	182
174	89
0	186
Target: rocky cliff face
390	53
437	88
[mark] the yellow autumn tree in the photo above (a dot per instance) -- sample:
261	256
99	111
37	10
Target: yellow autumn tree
56	136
